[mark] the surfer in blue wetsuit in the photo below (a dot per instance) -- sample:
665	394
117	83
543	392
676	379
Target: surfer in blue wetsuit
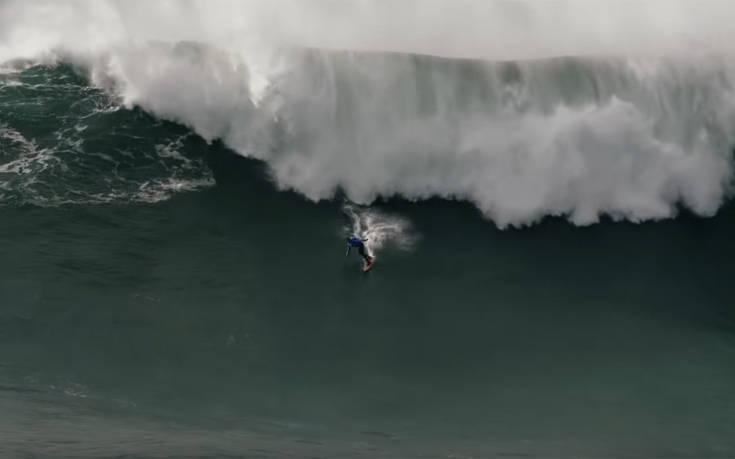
360	244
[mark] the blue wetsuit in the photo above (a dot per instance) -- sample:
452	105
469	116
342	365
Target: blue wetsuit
359	243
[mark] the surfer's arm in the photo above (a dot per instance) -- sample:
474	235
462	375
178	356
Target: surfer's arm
348	249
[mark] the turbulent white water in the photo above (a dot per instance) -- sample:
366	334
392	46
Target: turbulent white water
630	113
378	229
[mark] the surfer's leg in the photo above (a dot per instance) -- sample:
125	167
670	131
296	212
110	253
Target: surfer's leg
365	256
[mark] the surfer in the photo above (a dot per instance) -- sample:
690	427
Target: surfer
360	244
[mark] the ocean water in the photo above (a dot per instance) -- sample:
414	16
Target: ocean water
553	239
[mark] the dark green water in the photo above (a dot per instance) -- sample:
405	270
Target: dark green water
226	321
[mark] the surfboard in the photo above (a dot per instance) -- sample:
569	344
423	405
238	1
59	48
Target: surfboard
368	266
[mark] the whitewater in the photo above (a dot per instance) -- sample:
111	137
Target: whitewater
580	109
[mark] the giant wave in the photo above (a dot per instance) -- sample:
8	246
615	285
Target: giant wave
598	109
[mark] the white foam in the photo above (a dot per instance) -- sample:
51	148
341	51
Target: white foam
26	175
32	159
162	190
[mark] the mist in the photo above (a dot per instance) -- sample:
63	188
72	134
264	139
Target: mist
503	29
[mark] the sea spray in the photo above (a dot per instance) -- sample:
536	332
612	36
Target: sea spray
378	229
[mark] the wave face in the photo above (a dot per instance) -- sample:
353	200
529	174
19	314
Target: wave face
633	127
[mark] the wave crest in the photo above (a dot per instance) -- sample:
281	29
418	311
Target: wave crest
630	137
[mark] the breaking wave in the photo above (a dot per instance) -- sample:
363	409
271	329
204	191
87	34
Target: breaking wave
575	123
